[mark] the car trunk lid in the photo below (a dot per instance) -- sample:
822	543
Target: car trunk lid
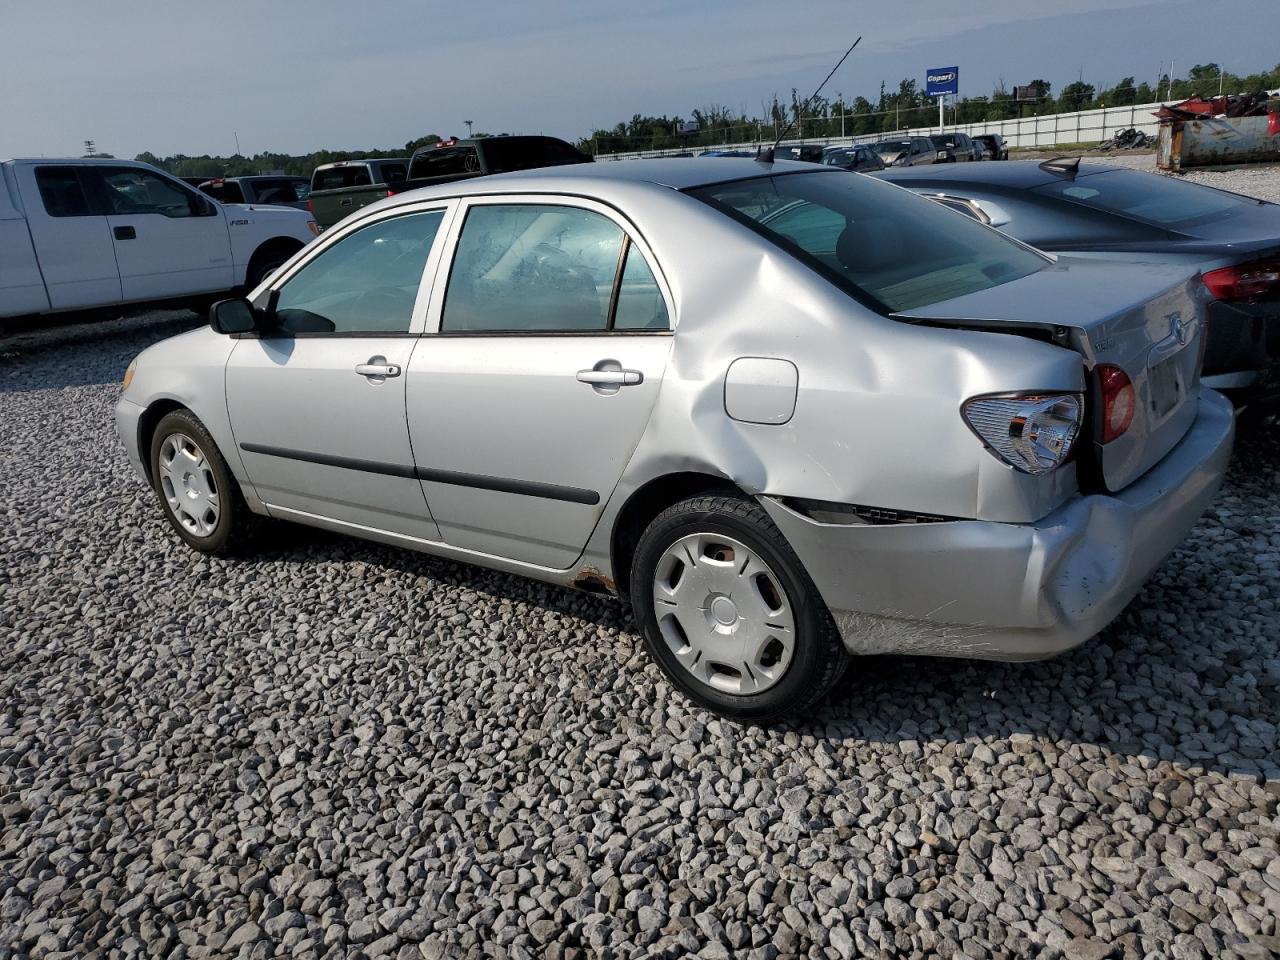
1147	319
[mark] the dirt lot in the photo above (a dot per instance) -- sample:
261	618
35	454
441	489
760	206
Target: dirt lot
336	749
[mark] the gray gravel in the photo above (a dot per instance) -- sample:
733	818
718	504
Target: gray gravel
341	750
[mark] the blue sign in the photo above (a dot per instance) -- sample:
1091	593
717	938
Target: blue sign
940	80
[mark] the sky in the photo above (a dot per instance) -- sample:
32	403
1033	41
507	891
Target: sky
300	75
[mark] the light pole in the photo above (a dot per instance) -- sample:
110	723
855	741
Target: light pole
468	123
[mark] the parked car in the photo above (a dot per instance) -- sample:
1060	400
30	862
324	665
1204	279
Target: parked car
899	431
280	191
78	234
981	151
339	189
994	144
451	160
1107	212
853	159
906	151
953	148
808	152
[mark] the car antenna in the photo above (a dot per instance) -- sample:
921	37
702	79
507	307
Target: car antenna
1063	166
766	156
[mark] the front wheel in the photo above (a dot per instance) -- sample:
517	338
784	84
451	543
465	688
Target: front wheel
729	613
198	494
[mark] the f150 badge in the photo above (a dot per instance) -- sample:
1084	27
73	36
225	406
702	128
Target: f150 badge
241	223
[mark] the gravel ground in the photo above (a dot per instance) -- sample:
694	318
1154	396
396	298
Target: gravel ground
341	750
1259	180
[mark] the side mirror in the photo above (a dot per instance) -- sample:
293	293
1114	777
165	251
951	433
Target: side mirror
233	316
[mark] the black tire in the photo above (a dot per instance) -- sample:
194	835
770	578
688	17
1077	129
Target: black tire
236	526
268	259
819	657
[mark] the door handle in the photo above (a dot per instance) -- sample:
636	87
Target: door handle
615	378
125	233
345	202
377	369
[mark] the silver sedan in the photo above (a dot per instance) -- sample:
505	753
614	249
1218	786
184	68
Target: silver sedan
790	414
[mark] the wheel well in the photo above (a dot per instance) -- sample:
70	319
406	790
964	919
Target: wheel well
645	504
275	247
147	424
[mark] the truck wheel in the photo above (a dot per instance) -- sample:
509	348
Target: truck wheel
267	259
198	495
729	613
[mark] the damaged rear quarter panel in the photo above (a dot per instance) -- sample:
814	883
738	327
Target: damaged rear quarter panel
877	419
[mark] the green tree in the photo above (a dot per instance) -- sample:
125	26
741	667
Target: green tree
1076	96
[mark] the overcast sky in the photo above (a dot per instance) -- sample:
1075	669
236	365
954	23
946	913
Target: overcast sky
296	76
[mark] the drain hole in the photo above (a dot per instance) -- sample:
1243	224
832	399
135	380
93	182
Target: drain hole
772	655
768	592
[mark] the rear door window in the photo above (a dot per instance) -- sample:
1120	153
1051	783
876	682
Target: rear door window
532	268
62	193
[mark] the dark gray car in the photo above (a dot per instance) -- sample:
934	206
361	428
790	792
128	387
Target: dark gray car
853	159
1116	213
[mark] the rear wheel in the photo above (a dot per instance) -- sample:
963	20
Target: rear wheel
730	614
198	494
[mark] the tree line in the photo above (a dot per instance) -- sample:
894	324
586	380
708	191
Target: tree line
905	107
894	109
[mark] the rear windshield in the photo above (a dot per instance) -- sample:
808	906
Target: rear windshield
884	244
518	154
284	190
1147	196
891	146
337	177
445	161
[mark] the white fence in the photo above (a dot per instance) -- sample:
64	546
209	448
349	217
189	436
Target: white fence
1084	126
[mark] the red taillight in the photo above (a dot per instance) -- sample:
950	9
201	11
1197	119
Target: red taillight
391	193
1119	400
1246	281
311	207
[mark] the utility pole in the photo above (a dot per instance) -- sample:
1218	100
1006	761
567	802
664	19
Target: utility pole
237	136
90	148
1172	64
468	123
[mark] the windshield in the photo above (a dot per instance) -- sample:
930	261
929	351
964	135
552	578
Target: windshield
942	142
842	160
881	243
1147	196
892	146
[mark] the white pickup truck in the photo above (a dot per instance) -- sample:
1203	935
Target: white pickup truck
79	234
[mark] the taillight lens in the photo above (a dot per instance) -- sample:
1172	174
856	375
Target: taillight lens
1033	433
1119	401
311	207
391	193
1245	281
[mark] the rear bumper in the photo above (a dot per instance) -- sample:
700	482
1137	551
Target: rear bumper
1003	591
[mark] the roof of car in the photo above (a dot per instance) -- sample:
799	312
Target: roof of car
1018	174
678	174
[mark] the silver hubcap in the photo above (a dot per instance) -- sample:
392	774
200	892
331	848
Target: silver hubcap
188	485
723	613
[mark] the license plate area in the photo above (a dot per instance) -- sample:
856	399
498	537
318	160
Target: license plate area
1165	386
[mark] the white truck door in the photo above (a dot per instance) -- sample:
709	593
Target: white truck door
72	238
169	240
21	286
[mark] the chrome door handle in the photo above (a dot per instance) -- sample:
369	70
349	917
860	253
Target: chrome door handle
615	378
377	367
